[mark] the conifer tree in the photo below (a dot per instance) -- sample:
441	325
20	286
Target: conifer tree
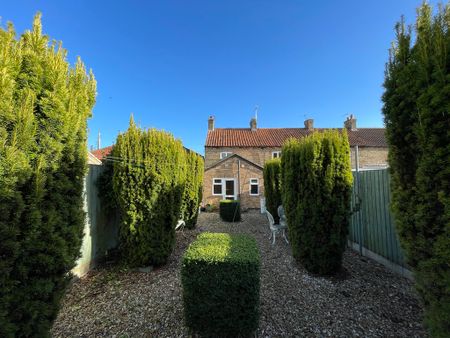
416	110
148	182
192	194
316	190
272	186
44	106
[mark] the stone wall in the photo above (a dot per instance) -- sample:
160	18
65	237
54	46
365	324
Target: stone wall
255	155
241	175
370	157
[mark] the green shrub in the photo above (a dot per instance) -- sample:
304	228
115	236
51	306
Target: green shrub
44	107
106	194
220	277
148	181
192	194
272	186
316	190
154	181
416	111
230	210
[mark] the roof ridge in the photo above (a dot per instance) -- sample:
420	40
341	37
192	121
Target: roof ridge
295	128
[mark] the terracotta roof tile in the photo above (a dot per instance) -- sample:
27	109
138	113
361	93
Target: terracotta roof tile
102	152
275	137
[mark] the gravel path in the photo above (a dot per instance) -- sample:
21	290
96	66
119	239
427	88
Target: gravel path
366	301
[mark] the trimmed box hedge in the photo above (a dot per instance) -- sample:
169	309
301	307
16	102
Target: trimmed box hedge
230	210
220	277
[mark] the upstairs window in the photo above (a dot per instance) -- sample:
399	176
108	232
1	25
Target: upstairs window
254	187
225	154
276	154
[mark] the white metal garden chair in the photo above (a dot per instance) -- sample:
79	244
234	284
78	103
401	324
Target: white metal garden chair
276	228
180	225
282	216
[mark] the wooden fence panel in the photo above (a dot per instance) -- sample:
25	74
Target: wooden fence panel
372	227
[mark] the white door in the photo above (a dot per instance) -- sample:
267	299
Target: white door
230	189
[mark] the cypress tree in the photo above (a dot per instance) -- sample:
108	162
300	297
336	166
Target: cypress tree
15	170
192	194
148	181
272	186
316	190
416	110
291	189
44	106
104	183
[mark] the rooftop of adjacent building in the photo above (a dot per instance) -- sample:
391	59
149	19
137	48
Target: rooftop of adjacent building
275	137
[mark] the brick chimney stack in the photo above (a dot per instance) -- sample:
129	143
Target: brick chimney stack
211	123
253	124
309	124
350	123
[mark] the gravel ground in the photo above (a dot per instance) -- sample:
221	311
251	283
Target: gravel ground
367	300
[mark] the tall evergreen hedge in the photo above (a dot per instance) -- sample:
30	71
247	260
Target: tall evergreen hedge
416	110
272	186
316	190
156	182
192	195
44	106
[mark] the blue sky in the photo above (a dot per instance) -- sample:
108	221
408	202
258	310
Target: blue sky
174	63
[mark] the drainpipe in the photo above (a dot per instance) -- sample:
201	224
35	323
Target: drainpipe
239	180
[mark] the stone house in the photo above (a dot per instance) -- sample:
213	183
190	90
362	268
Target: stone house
235	157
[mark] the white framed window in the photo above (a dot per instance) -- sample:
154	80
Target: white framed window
225	154
276	154
217	186
225	187
254	187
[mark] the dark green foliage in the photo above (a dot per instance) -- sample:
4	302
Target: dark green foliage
230	210
105	188
272	186
316	190
154	182
148	182
192	194
220	278
416	110
44	106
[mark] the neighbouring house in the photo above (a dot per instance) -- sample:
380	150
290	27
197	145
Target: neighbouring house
235	157
101	153
93	159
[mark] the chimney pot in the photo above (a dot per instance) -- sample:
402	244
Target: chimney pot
253	124
211	123
309	124
350	123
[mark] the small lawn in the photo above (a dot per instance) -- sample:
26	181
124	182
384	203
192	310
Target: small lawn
365	300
